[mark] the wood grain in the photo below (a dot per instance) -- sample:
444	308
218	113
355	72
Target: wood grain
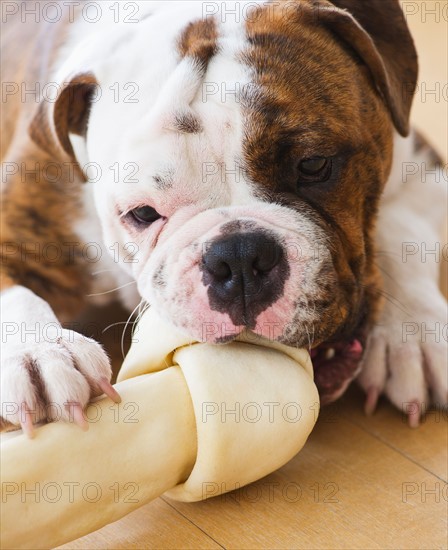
156	525
355	493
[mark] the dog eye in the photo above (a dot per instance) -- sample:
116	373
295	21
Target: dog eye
313	170
145	214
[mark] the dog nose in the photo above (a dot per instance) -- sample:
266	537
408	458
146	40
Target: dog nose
243	275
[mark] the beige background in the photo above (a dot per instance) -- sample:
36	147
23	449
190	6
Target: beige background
365	482
430	31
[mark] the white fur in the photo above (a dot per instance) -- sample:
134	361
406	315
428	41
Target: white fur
410	367
140	133
32	333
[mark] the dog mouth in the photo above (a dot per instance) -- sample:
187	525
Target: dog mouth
336	365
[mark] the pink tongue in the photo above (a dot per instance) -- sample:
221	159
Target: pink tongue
332	376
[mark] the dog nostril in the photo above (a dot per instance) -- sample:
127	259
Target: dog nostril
220	269
265	262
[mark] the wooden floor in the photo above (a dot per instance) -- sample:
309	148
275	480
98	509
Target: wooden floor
359	482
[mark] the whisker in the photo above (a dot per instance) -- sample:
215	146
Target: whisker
113	325
112	290
308	336
395	302
144	307
389	297
126	326
387	253
384	272
103	271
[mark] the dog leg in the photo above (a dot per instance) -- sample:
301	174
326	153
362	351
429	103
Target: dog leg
47	372
407	351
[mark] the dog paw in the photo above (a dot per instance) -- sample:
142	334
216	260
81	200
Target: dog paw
407	361
53	380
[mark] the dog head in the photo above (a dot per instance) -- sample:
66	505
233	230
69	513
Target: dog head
249	165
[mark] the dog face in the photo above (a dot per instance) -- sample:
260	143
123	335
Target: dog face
260	151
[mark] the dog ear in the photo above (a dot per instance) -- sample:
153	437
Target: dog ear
378	32
65	114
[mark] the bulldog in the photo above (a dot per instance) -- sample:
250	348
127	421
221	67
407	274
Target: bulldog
235	165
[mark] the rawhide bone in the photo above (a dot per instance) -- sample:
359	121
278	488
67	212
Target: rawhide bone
195	420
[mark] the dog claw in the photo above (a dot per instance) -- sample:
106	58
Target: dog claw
414	415
26	422
77	415
109	390
371	400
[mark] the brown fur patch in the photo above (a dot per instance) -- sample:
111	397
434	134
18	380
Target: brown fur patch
199	40
52	124
41	193
163	182
315	98
187	123
384	44
38	248
38	383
